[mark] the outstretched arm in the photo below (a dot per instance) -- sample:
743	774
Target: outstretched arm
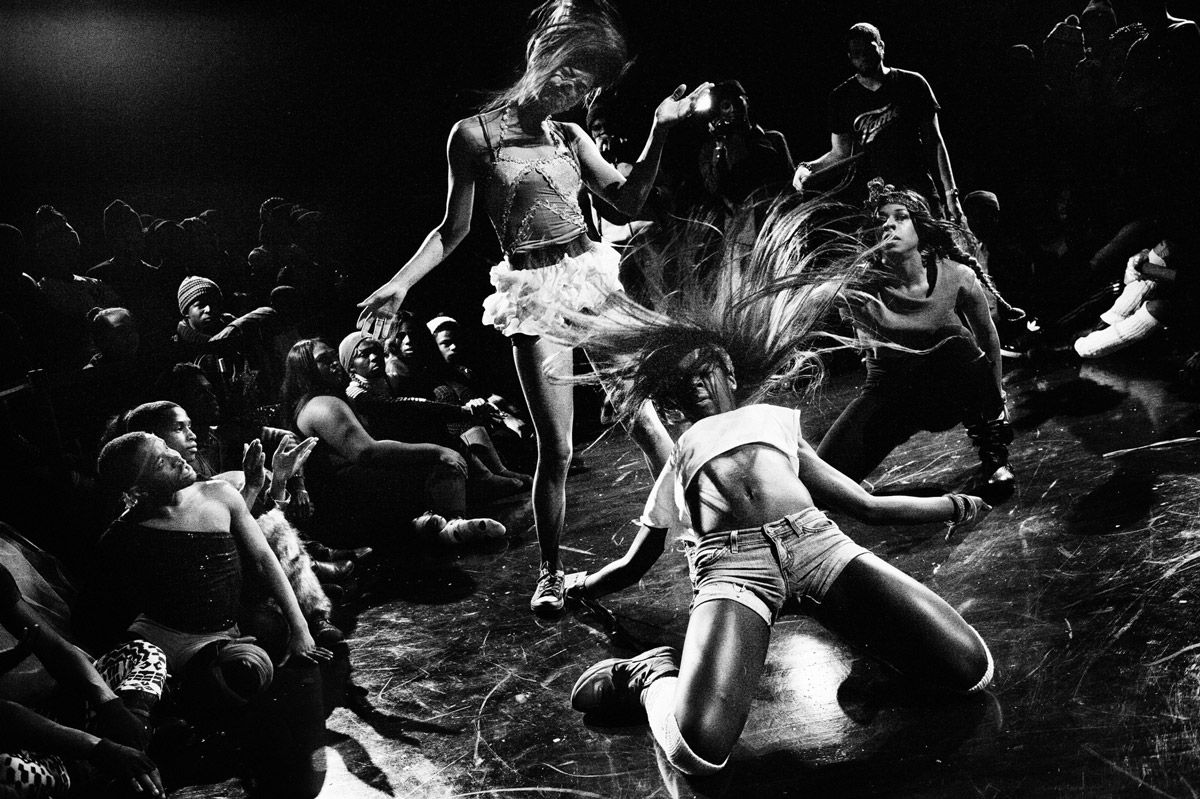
623	572
831	488
628	193
441	241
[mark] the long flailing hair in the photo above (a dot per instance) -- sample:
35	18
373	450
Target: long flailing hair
762	305
585	34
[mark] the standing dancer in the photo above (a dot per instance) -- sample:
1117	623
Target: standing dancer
925	289
742	485
530	170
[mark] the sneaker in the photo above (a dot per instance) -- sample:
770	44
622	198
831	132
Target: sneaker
614	686
548	594
471	531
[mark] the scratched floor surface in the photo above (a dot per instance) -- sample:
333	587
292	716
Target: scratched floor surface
1083	582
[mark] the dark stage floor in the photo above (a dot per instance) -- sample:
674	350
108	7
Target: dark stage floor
1082	582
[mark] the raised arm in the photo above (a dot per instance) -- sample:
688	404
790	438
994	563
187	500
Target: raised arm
441	241
831	488
628	193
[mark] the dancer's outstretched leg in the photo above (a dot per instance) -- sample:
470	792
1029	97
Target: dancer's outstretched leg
891	616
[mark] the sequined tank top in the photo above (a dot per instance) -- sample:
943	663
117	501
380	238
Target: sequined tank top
188	580
533	203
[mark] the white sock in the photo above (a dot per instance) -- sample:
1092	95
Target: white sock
1131	297
659	700
988	673
1111	339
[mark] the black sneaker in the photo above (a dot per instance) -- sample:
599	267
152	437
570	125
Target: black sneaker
614	687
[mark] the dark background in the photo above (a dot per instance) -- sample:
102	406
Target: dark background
344	107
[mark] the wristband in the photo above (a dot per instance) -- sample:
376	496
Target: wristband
573	585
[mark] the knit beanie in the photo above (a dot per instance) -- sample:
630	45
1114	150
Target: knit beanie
51	229
119	218
349	345
193	288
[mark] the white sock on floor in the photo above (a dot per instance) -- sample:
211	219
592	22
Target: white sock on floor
1128	301
659	700
1111	339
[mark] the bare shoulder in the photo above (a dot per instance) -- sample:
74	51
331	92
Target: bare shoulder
217	489
470	131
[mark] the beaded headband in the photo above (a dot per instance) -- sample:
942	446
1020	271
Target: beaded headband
880	193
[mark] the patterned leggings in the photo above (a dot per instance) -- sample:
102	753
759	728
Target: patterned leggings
136	672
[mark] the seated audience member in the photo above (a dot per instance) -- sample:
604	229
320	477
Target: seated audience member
266	496
102	746
21	301
263	337
114	337
487	478
1136	313
170	571
69	296
464	380
202	307
144	290
363	487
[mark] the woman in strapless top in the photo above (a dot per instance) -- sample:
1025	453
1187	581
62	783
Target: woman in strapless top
530	170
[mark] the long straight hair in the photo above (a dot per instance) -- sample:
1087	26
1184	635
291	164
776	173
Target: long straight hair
585	34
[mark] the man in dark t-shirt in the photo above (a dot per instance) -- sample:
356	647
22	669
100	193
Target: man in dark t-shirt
885	119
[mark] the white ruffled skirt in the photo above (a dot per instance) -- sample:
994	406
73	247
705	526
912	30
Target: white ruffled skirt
532	301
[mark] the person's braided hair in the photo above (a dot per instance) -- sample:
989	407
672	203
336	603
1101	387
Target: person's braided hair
940	238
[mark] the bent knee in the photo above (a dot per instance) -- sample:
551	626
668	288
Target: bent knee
975	667
707	741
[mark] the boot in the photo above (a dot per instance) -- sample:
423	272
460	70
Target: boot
992	438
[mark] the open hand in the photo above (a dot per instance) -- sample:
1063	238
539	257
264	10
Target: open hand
290	456
378	317
679	106
253	467
304	647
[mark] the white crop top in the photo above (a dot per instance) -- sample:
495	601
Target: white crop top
708	438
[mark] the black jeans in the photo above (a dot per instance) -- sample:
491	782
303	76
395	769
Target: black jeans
904	395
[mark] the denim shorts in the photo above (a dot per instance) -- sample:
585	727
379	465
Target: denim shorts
799	555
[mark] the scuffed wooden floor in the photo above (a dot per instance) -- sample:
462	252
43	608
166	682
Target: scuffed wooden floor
1083	582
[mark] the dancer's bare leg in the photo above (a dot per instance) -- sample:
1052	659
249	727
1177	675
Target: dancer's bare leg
551	406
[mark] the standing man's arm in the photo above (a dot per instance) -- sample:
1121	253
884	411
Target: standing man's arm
932	132
840	148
